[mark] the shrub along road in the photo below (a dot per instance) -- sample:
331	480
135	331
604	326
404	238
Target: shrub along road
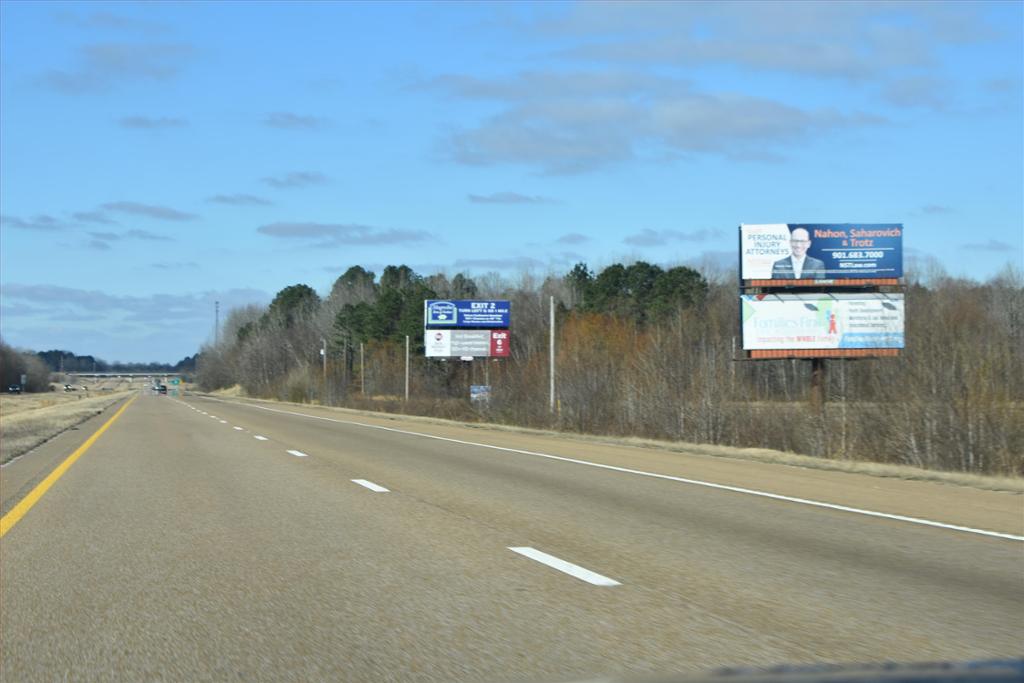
203	539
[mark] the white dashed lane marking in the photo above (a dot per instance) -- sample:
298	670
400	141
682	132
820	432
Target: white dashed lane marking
298	454
370	485
569	568
260	438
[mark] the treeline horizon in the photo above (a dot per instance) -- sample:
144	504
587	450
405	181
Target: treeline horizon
58	360
38	366
651	352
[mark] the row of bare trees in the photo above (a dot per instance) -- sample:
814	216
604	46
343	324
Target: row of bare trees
15	365
652	353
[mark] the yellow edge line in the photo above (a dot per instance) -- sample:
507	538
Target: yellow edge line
19	510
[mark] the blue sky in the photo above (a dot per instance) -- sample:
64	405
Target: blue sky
158	157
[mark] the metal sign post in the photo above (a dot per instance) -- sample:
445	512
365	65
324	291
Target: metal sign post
467	330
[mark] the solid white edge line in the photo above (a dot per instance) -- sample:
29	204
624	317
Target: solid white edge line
370	485
298	454
569	568
655	475
260	438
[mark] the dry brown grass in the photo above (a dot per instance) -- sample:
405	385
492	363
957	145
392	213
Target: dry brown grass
12	405
29	420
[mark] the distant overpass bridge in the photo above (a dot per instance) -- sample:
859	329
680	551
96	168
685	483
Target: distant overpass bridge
107	375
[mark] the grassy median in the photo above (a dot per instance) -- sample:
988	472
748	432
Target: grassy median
28	420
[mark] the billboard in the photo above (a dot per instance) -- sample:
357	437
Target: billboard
817	253
822	321
459	343
466	314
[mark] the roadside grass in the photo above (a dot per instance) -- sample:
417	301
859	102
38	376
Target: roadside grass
20	403
29	420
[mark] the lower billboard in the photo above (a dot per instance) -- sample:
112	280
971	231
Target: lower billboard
807	322
466	343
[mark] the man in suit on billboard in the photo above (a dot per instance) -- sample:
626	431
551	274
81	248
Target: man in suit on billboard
798	265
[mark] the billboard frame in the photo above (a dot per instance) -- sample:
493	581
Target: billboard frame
841	282
810	286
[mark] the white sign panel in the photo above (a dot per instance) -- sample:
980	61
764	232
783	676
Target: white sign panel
465	343
471	342
760	247
438	343
822	321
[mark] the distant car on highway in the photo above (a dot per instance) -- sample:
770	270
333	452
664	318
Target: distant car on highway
162	389
14	389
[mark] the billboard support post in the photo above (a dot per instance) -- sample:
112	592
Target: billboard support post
818	375
842	394
732	365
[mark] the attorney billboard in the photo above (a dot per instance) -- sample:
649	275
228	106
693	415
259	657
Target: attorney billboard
458	313
464	343
822	321
816	252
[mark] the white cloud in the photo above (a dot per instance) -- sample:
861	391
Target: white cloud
103	66
334	234
291	121
151	123
508	198
149	211
605	121
296	179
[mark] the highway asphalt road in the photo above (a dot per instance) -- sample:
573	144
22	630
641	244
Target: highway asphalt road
202	539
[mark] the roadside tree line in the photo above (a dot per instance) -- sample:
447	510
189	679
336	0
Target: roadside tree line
649	352
15	363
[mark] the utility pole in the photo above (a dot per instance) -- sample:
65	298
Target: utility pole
216	323
406	368
362	370
551	397
323	354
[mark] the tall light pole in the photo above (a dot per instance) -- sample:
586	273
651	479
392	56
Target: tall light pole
216	323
